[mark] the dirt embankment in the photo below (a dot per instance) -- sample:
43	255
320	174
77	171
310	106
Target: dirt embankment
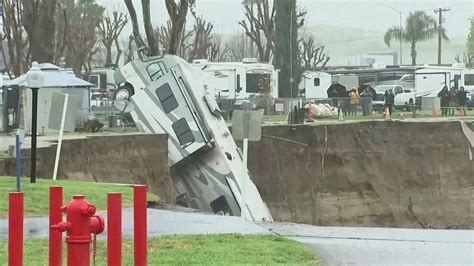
367	174
128	159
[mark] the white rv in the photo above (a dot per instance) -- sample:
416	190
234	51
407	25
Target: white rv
238	80
430	80
164	94
314	84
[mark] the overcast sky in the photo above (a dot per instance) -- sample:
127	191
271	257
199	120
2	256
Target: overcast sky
367	14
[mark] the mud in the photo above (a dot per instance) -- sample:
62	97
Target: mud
385	174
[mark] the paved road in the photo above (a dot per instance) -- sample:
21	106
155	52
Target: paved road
334	245
383	246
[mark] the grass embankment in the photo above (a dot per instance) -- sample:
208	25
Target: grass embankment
37	195
226	249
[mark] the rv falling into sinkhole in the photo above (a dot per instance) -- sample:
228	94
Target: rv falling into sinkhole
165	95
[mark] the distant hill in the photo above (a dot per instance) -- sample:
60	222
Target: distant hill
346	44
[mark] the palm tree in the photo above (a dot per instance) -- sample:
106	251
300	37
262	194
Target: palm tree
419	27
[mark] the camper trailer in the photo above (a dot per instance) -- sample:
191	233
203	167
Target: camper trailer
430	80
164	94
314	85
238	80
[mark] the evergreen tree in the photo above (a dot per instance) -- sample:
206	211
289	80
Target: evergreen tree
286	48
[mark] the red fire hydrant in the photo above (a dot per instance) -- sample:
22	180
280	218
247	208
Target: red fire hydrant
81	222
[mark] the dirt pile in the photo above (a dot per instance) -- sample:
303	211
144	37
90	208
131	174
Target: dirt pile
390	174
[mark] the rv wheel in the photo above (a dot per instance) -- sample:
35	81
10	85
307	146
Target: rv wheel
124	92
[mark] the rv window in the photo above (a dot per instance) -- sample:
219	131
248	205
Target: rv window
257	83
316	82
238	83
166	97
398	90
469	79
183	132
154	71
103	81
94	80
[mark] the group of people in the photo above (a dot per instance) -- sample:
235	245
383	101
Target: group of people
349	106
450	99
365	100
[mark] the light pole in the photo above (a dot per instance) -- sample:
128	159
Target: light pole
400	28
34	80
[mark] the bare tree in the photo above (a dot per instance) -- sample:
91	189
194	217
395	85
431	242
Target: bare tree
110	29
202	32
218	52
239	46
163	34
177	11
259	25
312	54
136	30
39	22
15	37
85	19
153	48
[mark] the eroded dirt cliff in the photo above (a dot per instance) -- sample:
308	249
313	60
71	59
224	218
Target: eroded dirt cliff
396	174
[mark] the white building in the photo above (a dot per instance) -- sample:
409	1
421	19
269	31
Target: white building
56	80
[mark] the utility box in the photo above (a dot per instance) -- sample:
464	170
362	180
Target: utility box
247	124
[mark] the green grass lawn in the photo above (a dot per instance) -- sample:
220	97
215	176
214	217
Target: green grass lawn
37	195
225	249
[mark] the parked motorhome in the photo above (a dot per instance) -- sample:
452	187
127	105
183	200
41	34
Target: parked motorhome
164	94
238	80
430	80
314	85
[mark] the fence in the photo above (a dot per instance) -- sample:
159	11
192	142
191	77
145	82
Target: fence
277	110
114	228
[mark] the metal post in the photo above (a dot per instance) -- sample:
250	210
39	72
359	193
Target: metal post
60	138
291	58
34	132
244	183
15	228
55	217
140	218
18	162
114	228
401	56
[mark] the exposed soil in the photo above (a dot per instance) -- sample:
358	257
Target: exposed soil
389	174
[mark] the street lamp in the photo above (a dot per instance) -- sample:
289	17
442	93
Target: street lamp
34	80
400	27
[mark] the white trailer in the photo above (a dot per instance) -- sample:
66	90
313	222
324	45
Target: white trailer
430	80
164	94
314	85
238	80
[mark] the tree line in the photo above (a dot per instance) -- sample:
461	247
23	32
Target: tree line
81	35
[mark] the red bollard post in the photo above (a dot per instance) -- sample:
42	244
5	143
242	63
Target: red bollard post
55	217
114	228
140	218
15	228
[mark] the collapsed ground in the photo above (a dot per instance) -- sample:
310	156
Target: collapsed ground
375	173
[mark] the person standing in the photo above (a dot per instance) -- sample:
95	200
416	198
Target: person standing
366	101
354	95
389	100
452	101
462	100
444	100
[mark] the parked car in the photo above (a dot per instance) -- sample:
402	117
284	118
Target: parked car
380	90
